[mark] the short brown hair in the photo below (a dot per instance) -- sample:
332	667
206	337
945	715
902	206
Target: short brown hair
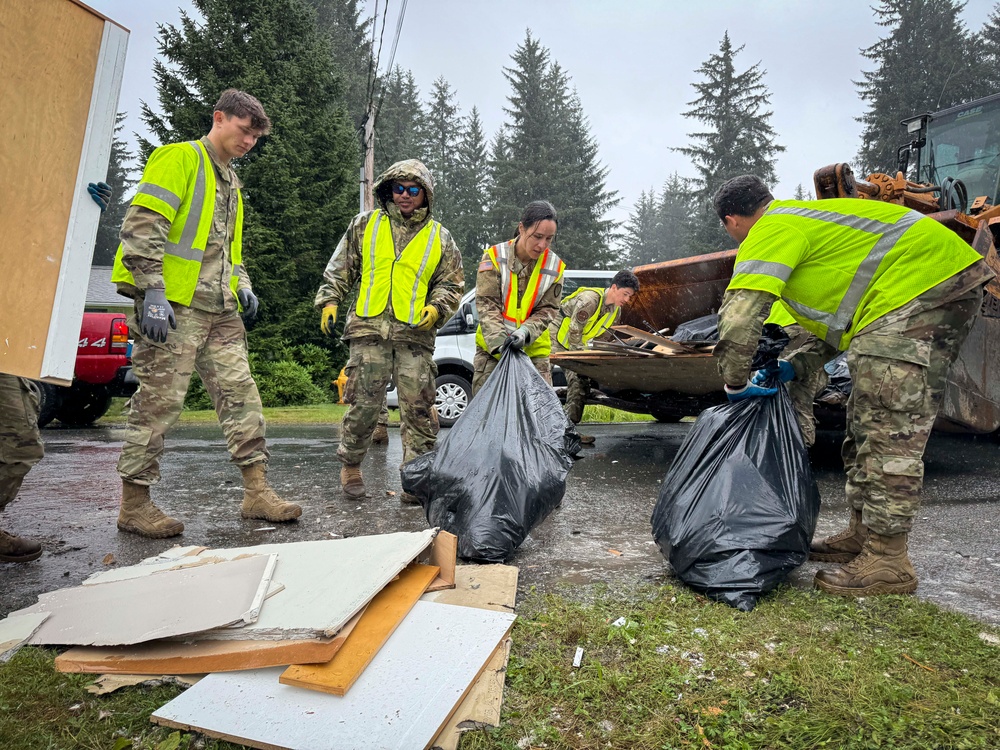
236	103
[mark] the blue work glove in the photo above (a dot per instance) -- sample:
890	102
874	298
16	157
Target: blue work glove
156	315
517	339
750	390
101	193
249	302
780	367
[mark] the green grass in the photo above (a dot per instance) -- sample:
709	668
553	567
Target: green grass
605	414
803	670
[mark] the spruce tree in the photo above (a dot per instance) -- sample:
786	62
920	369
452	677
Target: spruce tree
989	44
470	190
927	62
300	182
737	137
674	219
350	46
121	182
640	233
400	122
440	140
546	151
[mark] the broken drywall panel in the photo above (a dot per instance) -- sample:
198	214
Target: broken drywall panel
171	603
402	700
16	629
326	582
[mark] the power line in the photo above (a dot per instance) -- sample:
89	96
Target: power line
392	56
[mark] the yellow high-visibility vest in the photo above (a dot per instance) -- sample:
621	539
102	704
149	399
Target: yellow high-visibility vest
548	270
179	184
840	264
596	324
406	278
780	315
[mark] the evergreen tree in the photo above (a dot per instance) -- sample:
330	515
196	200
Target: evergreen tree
927	62
801	194
546	151
737	139
350	45
440	141
641	233
989	45
470	189
400	123
674	219
119	171
300	184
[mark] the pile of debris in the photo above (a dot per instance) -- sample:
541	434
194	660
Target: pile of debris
630	341
377	641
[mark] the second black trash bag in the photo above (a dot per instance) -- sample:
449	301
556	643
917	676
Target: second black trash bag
738	507
502	468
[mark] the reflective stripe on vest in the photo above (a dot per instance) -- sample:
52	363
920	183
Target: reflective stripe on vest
190	215
596	323
548	270
405	278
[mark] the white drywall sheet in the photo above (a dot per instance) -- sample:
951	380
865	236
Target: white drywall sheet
401	700
167	604
326	582
15	630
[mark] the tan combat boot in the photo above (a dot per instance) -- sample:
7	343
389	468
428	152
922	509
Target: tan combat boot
139	516
351	481
18	549
586	439
407	499
261	501
882	567
381	434
844	546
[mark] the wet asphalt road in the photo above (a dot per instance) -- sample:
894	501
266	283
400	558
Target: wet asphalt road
70	502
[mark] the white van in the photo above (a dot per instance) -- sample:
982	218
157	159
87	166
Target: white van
455	348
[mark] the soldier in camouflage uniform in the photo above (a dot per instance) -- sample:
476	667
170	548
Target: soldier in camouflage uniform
911	289
588	314
529	265
21	444
198	291
409	273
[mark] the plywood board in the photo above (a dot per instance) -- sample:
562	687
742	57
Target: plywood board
326	582
652	338
401	701
172	603
62	67
201	657
17	629
380	620
444	551
693	374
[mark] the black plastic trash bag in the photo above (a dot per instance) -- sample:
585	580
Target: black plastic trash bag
502	467
838	390
739	504
705	328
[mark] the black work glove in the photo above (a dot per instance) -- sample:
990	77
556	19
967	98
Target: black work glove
517	339
250	304
156	314
101	193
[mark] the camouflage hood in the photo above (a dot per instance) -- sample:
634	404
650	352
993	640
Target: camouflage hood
408	169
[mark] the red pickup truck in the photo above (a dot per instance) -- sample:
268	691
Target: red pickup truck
103	371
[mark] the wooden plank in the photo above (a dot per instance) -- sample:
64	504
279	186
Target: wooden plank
174	603
201	657
652	338
401	701
384	614
443	554
693	374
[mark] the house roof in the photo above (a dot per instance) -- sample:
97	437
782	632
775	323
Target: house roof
101	292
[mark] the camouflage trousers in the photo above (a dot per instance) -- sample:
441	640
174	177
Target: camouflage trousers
484	363
20	442
215	345
803	392
372	363
577	390
899	372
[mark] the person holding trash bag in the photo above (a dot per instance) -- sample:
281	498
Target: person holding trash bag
408	271
518	288
587	314
896	290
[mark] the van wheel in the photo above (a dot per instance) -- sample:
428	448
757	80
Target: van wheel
83	404
453	395
666	416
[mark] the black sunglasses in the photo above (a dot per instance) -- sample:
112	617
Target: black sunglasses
413	190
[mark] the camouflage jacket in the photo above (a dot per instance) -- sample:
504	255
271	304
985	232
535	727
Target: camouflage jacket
579	310
744	311
144	235
342	273
489	302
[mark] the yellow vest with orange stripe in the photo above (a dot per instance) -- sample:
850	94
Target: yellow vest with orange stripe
517	308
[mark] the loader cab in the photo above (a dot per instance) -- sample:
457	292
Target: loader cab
959	144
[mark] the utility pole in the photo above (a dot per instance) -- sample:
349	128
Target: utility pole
368	170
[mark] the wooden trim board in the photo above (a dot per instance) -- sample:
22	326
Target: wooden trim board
401	701
201	657
652	338
384	614
444	552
